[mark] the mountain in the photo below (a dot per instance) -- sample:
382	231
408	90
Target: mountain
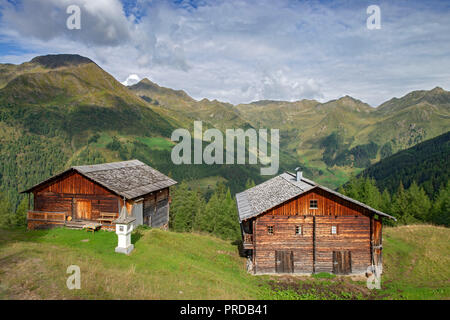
178	105
62	110
427	163
346	135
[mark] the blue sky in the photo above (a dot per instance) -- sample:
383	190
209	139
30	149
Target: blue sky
242	51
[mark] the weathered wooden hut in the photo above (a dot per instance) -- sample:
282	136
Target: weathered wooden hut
96	193
293	225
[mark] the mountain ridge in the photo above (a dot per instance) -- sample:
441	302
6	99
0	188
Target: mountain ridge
85	115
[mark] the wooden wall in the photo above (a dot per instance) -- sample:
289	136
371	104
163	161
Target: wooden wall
283	238
156	209
328	205
316	242
73	192
353	234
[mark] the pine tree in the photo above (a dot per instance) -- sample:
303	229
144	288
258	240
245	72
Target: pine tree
6	210
249	184
419	204
185	206
21	213
399	206
440	213
386	202
370	194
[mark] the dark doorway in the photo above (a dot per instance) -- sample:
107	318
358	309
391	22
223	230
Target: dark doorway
284	261
342	262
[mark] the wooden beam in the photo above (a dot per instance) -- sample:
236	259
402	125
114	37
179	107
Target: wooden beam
314	244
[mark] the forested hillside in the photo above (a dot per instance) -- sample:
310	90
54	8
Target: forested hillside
62	110
427	164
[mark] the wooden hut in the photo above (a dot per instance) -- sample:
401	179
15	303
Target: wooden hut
96	193
293	225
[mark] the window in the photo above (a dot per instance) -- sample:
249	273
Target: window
313	204
298	230
270	229
333	229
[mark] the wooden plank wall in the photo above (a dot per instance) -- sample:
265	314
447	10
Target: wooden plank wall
352	222
328	204
151	207
353	234
284	238
62	195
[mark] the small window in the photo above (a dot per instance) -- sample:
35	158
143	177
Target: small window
333	229
270	229
298	230
313	204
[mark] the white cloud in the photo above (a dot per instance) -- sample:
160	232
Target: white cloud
240	51
131	79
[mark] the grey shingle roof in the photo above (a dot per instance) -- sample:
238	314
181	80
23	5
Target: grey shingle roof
273	192
129	179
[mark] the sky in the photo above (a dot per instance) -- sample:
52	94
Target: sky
241	51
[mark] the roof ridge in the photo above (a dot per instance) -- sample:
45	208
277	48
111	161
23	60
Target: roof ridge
106	163
303	179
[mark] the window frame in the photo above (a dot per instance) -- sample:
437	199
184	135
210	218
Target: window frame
270	229
336	228
317	204
299	227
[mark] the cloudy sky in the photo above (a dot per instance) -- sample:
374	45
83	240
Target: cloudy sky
240	51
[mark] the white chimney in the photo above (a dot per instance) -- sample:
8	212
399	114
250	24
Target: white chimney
299	174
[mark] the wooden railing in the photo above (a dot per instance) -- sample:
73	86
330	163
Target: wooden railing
47	216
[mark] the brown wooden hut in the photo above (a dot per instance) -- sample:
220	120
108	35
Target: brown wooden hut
293	225
96	193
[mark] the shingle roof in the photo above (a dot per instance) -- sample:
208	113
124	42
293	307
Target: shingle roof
273	192
129	179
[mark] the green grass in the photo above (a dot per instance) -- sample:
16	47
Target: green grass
169	265
156	143
417	259
206	183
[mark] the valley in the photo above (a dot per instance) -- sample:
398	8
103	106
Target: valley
61	110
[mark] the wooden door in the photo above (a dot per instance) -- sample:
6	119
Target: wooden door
342	262
284	261
84	210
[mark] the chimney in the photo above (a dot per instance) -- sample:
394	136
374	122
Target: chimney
299	174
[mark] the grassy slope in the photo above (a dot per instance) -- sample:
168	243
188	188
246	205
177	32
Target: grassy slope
168	265
416	262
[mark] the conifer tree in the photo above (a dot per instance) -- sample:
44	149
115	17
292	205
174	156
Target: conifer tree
440	213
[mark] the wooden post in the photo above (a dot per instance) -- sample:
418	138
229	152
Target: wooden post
314	244
254	245
371	239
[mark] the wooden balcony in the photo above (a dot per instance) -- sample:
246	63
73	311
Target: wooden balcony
248	241
46	219
38	219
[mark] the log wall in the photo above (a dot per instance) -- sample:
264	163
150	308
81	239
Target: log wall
63	194
316	243
156	209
